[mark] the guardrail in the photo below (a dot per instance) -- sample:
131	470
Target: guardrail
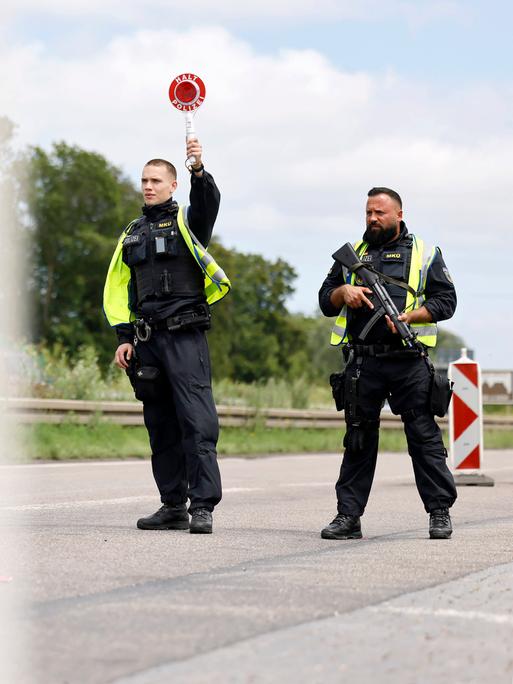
130	413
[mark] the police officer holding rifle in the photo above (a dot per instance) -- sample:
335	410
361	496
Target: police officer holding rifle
159	287
389	290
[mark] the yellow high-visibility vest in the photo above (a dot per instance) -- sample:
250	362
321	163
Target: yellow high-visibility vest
115	292
421	259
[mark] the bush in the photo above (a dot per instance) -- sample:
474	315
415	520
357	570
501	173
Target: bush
53	374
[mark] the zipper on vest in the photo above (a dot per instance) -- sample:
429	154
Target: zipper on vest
151	257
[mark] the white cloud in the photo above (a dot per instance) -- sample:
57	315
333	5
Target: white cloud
169	12
294	143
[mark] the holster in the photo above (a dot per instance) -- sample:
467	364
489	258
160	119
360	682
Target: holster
149	383
338	389
198	317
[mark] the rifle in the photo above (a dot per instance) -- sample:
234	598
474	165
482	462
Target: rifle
374	281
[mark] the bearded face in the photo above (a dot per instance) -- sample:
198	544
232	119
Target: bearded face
383	220
377	235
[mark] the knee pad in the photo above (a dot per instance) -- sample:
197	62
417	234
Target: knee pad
410	415
421	416
422	431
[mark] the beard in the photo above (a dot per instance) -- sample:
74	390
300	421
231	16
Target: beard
379	236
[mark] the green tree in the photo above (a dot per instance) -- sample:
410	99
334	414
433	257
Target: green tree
321	358
449	340
78	205
254	336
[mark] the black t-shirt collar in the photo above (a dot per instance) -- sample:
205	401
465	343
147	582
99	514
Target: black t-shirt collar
156	212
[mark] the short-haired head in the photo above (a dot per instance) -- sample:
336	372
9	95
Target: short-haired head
163	162
158	181
386	191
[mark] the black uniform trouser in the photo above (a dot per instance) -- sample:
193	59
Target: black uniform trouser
405	382
183	426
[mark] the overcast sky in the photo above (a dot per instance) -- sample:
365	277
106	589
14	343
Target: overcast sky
309	104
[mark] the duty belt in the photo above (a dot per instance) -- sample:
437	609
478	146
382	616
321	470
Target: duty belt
198	317
378	350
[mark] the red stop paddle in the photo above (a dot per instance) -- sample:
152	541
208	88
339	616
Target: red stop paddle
187	93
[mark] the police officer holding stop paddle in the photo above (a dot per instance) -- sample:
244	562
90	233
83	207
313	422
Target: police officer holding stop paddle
160	285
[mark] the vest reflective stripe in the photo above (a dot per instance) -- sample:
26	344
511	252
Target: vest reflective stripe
216	283
421	260
429	255
338	331
425	330
115	292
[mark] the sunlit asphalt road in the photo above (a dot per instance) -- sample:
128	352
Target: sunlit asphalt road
263	599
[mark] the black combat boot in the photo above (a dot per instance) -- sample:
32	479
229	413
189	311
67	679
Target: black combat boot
343	527
201	521
440	524
168	517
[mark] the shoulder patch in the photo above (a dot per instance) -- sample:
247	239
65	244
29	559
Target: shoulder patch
132	240
447	274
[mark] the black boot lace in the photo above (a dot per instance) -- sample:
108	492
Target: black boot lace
440	517
201	513
341	518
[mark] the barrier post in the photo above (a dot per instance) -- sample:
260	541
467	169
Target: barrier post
466	423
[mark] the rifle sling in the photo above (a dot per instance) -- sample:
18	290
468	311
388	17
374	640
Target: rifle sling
387	279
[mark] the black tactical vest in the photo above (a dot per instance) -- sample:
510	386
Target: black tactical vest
162	265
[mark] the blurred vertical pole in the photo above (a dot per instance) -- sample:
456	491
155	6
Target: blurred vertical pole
14	647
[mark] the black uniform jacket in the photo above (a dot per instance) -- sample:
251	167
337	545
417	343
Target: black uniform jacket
204	199
440	294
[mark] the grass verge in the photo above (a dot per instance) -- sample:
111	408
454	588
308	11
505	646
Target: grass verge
69	441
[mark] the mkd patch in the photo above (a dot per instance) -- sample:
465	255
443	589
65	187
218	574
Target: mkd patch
392	256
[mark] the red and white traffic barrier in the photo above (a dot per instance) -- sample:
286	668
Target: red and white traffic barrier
466	422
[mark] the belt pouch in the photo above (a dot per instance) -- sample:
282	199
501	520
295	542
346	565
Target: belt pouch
440	395
148	382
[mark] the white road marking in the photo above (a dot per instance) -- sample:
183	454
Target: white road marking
72	464
498	618
308	484
133	499
75	504
101	502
